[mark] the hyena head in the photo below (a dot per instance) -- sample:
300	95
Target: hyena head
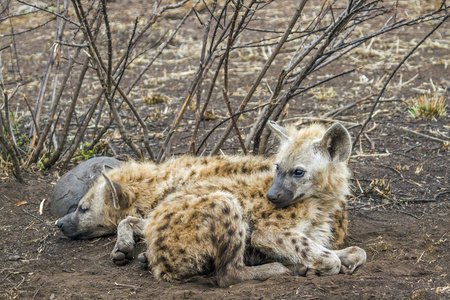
310	162
98	212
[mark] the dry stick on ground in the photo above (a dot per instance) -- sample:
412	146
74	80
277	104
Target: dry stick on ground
88	116
130	104
205	64
110	95
9	129
424	135
258	128
392	75
110	81
36	153
39	101
233	121
327	38
109	53
57	96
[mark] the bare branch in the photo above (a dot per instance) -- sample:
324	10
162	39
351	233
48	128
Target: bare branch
392	75
263	72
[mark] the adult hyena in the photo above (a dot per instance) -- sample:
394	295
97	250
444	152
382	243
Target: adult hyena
134	189
219	224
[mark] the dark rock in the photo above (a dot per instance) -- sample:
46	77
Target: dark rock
75	183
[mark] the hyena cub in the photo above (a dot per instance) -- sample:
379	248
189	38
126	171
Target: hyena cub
253	225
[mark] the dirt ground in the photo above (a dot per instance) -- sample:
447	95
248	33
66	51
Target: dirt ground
407	247
399	209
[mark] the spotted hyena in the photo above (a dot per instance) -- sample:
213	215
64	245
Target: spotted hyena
231	217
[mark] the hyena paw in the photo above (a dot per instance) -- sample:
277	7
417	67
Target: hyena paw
122	254
142	259
352	258
300	270
328	264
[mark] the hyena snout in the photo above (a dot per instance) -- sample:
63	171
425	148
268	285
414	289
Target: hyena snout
65	224
279	195
69	228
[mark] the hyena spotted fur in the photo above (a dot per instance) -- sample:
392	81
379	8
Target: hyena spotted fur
235	218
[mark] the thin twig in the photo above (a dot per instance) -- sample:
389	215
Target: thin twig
50	12
36	217
236	128
440	194
423	135
261	75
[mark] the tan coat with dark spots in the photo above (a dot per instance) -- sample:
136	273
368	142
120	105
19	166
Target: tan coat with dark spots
231	217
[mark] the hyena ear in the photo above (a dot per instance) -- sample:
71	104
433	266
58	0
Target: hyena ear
280	131
337	142
118	197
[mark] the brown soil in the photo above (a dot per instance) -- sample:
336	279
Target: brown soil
399	208
407	249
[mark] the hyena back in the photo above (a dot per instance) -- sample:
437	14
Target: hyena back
134	189
295	219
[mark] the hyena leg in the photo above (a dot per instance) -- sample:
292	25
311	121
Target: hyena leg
351	258
128	229
201	235
296	249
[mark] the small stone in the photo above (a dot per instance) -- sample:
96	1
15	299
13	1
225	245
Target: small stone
14	257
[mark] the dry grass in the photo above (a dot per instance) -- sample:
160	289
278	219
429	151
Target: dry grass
155	99
421	6
380	188
323	93
428	105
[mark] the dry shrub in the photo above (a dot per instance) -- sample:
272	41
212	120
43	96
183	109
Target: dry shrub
428	105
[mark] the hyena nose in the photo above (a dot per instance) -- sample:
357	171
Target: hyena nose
60	224
272	196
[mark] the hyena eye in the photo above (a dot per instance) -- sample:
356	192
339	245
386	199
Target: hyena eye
299	173
82	210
